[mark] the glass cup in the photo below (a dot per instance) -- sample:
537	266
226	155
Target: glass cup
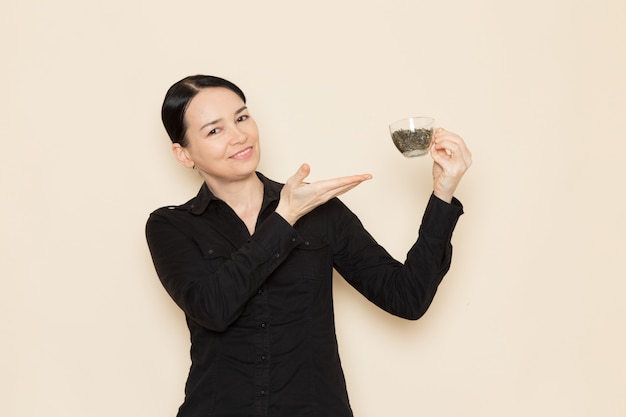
412	136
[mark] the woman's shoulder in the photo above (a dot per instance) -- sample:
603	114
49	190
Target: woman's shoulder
172	211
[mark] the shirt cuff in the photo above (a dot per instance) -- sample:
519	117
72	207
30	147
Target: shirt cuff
440	217
277	237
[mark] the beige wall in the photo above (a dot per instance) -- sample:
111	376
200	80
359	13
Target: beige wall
529	321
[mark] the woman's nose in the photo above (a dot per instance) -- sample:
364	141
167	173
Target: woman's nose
238	135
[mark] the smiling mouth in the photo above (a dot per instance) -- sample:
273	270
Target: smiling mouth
243	154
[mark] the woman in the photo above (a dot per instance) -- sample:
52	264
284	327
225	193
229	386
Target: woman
250	261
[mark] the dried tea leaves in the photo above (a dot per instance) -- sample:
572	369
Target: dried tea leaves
413	142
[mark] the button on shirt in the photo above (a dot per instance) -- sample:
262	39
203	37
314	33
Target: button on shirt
259	308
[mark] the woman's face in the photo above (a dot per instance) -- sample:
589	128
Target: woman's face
223	139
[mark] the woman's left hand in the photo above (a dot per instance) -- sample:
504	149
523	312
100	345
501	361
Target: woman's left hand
451	159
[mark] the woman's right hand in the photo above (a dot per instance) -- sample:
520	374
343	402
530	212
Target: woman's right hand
298	198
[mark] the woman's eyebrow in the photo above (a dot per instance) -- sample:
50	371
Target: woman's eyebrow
209	123
218	120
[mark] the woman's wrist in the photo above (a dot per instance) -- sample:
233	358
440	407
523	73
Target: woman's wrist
285	214
444	197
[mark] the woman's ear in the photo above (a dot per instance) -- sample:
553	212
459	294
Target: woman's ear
182	155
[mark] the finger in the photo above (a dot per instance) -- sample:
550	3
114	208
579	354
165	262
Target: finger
446	135
300	174
343	181
336	186
439	155
453	165
452	143
355	178
446	147
337	191
455	150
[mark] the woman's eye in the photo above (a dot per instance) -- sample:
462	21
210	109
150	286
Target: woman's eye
213	132
242	118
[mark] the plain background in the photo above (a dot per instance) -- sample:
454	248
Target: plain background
529	321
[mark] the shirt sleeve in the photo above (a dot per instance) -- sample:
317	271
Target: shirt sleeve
402	289
214	295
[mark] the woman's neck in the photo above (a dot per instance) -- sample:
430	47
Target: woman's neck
245	197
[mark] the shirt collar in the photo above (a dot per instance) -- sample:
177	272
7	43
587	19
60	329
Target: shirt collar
271	192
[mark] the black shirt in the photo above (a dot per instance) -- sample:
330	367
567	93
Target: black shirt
259	308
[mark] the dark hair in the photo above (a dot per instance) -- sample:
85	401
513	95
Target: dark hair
178	97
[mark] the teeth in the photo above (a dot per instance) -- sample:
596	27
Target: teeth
237	155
